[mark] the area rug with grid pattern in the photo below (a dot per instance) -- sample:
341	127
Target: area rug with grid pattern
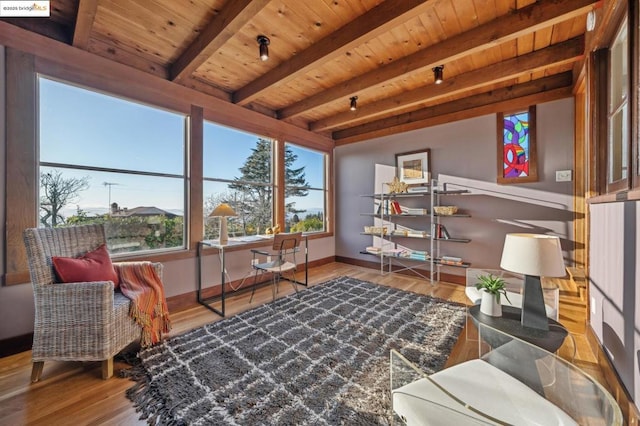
319	357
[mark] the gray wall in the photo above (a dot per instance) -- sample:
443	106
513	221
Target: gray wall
465	152
614	277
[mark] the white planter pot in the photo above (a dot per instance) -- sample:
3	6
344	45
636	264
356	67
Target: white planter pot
489	305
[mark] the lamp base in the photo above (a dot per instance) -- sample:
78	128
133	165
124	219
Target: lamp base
224	236
534	314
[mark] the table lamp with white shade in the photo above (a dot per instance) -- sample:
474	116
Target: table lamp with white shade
223	211
534	256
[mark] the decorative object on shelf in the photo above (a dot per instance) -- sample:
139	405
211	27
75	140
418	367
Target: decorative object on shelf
273	230
445	210
396	186
223	211
376	230
533	255
414	168
492	288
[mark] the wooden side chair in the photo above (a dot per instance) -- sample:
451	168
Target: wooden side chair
75	321
282	262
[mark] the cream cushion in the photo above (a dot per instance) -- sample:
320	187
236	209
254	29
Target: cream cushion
479	385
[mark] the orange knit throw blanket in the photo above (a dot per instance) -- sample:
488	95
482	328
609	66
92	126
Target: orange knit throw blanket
140	283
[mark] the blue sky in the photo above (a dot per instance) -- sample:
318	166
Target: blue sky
79	126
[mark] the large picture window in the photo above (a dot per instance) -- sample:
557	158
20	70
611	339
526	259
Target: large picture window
104	159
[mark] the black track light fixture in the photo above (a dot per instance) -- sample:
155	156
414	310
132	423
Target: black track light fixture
264	41
438	74
354	103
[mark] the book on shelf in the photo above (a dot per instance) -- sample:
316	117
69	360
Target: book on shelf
387	252
395	207
383	208
451	260
416	233
445	233
418	255
414	211
439	231
418	189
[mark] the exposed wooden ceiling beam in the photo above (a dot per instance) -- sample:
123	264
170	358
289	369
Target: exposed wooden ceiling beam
84	22
373	23
222	28
539	15
46	27
559	54
509	98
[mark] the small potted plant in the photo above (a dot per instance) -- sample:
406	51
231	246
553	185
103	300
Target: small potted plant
492	288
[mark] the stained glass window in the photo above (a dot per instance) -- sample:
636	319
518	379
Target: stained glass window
517	147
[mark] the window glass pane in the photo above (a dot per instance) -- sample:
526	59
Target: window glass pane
305	189
516	145
618	146
308	214
146	211
304	163
619	73
84	136
237	171
252	205
618	150
82	127
227	151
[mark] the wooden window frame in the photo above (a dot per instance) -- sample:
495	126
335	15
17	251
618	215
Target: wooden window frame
533	155
634	88
629	187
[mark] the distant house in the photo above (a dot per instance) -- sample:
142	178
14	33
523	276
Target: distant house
116	211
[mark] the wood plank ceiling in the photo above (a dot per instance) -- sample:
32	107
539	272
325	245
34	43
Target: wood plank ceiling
323	52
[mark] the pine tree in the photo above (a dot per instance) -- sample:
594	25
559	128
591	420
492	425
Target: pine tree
254	195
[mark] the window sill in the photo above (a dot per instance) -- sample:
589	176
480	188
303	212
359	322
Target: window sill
187	254
22	277
629	195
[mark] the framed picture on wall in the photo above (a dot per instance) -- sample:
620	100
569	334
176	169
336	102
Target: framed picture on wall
517	159
414	168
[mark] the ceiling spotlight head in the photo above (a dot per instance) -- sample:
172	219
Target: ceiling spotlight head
354	103
438	74
264	41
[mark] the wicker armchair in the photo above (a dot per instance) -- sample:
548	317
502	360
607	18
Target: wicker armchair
85	321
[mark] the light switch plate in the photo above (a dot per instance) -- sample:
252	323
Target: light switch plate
563	176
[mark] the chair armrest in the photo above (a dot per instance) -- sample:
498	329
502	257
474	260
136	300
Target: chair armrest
74	303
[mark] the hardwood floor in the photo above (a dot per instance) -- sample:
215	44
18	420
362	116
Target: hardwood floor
74	393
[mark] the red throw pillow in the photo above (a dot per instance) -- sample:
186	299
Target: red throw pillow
94	266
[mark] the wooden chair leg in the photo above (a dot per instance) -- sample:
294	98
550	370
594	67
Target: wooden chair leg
36	371
107	368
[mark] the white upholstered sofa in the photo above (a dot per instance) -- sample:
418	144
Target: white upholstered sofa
512	383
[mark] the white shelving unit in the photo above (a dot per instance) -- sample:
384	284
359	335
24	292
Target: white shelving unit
398	248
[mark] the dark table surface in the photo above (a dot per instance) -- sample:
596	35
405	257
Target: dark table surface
509	323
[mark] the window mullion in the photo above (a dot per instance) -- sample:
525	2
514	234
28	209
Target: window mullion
279	183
